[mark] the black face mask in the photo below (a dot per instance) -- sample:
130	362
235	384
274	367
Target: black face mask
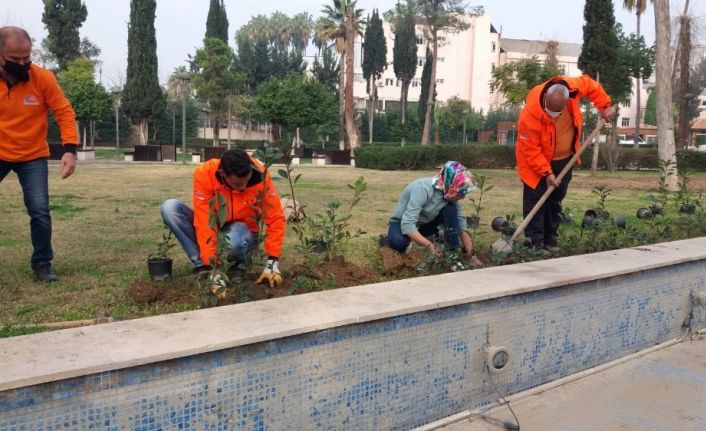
19	71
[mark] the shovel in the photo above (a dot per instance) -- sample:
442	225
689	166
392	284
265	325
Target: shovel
504	245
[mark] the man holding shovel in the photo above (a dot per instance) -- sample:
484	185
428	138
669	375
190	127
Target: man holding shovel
548	135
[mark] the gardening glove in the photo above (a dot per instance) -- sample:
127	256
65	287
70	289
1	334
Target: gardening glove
219	286
271	273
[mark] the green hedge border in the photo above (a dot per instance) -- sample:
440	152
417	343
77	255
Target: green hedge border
481	156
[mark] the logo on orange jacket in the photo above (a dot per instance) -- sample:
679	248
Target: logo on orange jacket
31	100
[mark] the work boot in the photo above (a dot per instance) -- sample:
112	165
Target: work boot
43	272
200	269
555	250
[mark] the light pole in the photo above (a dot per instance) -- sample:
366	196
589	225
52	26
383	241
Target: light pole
184	78
465	115
117	91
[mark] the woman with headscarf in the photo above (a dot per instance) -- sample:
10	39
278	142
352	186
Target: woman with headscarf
427	203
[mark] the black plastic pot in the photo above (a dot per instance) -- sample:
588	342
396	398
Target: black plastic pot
589	218
643	213
318	246
499	224
657	208
159	269
687	208
619	221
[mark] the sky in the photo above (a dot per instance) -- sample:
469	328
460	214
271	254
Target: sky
181	24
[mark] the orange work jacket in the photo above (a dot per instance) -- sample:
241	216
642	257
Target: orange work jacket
536	134
242	207
23	116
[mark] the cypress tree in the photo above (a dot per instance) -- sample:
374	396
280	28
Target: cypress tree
405	55
63	19
217	21
374	62
599	53
142	97
424	94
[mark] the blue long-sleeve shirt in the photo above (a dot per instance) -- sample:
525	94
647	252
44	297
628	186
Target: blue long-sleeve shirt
419	204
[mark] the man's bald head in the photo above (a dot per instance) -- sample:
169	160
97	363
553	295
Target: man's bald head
13	35
555	98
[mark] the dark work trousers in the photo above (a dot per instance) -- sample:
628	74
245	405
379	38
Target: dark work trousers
448	217
542	229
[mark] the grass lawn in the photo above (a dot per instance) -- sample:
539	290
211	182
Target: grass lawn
106	221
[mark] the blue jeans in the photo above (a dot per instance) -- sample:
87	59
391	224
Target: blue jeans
34	179
448	217
179	218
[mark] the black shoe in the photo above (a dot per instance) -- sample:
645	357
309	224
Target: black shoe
200	269
384	241
43	272
236	272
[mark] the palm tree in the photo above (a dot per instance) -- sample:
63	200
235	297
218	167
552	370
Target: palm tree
331	27
639	7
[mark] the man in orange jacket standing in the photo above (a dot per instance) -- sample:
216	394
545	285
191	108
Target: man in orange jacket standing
548	135
27	91
247	187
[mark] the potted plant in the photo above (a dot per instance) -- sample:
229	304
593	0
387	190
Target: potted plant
159	264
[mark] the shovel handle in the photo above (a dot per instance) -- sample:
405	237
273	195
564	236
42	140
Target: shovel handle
586	143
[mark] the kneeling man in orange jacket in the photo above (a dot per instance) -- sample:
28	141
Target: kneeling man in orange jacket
248	189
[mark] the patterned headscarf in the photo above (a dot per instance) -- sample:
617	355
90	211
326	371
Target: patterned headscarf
455	180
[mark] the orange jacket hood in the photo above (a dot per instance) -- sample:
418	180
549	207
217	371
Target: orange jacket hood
536	134
23	116
260	197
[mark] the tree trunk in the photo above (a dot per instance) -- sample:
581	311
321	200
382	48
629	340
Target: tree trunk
597	144
275	130
351	127
341	101
638	115
403	110
371	108
142	128
665	121
230	103
683	81
432	90
216	131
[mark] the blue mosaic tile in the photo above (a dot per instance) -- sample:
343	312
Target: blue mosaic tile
396	373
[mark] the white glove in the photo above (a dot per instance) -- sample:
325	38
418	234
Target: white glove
271	273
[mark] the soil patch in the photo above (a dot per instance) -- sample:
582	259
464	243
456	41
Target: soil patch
394	262
149	292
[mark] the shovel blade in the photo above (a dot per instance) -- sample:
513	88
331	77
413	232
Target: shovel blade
502	246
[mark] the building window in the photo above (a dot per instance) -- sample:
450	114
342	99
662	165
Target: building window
415	82
420	61
398	83
420	40
492	67
492	46
440	81
625	122
562	69
441	39
389	82
358	77
440	60
627	104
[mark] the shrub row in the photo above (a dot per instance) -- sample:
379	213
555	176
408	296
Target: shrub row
477	156
416	157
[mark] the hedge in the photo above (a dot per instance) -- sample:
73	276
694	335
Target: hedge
478	156
416	157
